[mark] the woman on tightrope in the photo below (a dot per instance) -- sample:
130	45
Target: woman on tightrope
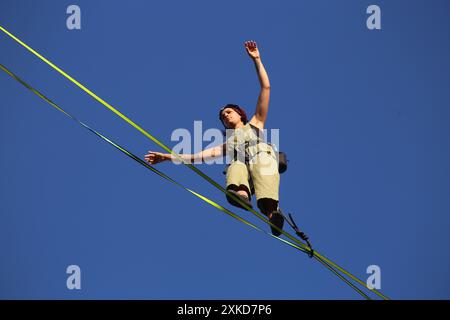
254	167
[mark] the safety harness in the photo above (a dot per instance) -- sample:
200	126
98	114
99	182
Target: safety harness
280	157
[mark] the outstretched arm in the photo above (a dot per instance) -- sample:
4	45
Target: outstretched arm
262	106
157	157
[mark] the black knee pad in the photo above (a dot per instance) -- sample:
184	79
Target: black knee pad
267	205
234	189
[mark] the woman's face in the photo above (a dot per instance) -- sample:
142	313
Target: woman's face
230	118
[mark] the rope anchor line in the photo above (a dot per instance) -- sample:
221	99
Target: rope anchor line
299	233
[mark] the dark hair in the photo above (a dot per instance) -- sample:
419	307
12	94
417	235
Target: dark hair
236	108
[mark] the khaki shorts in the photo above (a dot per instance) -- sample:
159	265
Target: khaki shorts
261	174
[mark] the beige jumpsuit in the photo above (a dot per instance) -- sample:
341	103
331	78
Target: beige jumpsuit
262	169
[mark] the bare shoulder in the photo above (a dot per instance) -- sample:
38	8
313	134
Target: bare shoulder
257	123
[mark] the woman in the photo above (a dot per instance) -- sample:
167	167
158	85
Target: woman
253	167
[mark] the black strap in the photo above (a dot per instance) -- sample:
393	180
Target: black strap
250	143
300	233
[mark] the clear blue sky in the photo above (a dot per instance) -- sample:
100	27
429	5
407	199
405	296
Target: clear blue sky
363	116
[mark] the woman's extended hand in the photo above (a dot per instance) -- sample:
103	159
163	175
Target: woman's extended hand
252	49
156	157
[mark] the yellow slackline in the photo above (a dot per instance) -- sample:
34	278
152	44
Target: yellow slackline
140	161
214	183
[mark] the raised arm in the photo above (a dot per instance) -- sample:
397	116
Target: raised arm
262	106
157	157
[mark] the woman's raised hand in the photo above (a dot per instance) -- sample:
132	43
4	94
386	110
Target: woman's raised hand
252	49
156	157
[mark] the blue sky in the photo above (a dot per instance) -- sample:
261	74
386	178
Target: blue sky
363	116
